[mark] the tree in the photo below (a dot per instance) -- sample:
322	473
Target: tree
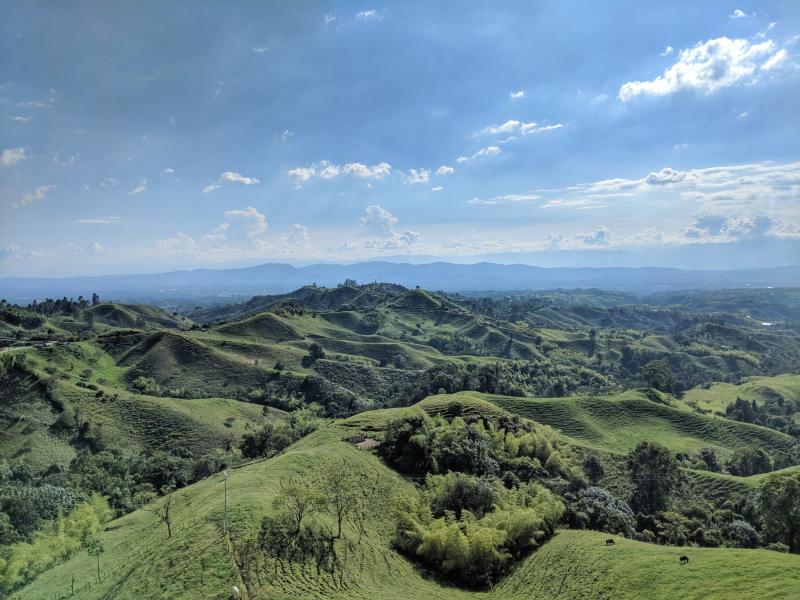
779	506
95	299
593	468
296	498
315	351
94	547
674	527
653	472
658	374
163	512
748	461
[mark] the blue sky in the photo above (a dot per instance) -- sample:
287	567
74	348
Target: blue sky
149	136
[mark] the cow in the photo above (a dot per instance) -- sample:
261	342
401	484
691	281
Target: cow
684	560
610	542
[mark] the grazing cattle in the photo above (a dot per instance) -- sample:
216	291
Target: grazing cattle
610	542
684	559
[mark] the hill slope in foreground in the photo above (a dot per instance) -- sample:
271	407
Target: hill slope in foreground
200	561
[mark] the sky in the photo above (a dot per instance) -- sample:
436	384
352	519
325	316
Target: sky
150	136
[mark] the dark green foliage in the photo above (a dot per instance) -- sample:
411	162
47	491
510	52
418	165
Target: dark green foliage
457	492
593	467
749	461
779	507
653	472
658	374
596	508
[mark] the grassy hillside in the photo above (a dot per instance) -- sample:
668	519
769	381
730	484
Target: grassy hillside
616	423
716	397
198	561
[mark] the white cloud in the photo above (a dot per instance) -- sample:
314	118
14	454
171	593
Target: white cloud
260	49
301	174
245	224
488	151
378	220
418	176
763	33
286	135
515	126
517	95
368	15
531	128
35	196
20	119
462	159
775	60
168	171
445	170
139	189
329	170
708	67
738	14
232	177
507	198
665	176
507	127
12	156
100	221
667	51
109	182
362	171
298	236
329	19
742	115
597	237
437	188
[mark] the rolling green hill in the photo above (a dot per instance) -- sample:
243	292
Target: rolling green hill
199	561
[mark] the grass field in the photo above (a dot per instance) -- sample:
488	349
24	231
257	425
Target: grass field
196	563
718	396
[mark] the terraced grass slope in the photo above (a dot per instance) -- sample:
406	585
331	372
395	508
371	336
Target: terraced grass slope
198	562
617	423
38	412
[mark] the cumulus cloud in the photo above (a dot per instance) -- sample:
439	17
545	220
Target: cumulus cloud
738	14
517	95
378	220
713	227
12	156
445	170
329	170
667	51
230	177
710	66
418	176
488	151
437	188
665	176
168	171
240	234
599	236
35	196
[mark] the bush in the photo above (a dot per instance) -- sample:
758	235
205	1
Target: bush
457	492
596	508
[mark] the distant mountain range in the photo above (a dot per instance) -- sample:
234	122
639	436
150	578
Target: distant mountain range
274	278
